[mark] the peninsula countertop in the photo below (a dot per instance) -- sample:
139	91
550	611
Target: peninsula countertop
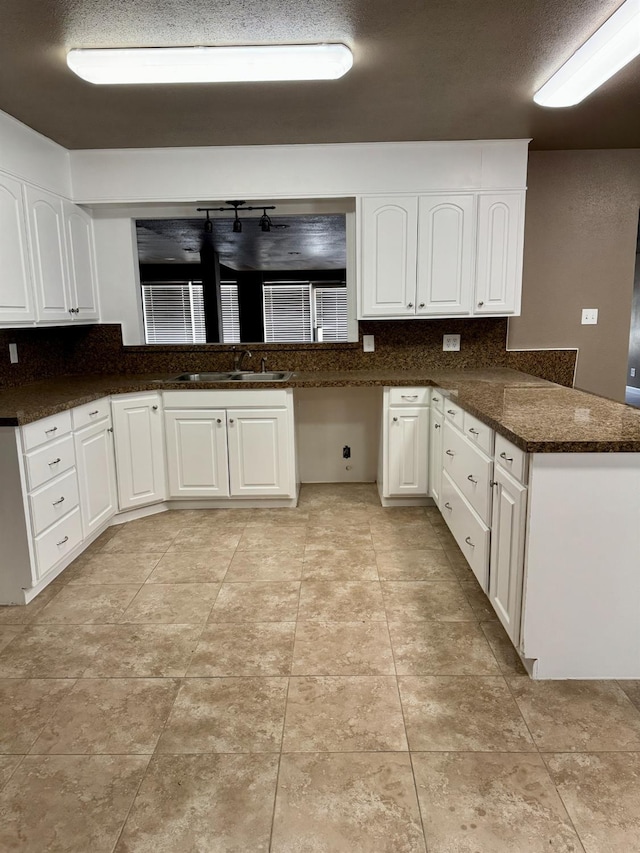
537	415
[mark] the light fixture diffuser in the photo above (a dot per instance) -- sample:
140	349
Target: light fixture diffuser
608	50
211	64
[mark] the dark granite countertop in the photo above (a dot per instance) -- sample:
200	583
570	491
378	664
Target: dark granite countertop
538	416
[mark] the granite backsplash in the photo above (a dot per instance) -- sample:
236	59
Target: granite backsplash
45	353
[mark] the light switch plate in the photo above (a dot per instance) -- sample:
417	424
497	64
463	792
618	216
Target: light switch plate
451	343
368	343
589	316
13	353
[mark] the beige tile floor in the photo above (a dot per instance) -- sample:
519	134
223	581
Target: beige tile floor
317	680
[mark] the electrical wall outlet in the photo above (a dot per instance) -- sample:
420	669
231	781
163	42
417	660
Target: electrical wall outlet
451	343
367	343
589	316
13	353
632	372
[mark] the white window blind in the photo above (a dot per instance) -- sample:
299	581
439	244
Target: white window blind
330	305
173	313
230	313
287	312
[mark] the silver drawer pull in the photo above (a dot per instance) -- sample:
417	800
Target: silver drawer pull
506	458
437	426
469	542
55	503
448	506
452	412
53	429
450	453
409	396
55	462
471	480
436	399
97	412
473	431
66	539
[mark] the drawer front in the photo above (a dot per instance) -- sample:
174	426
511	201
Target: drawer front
409	396
50	461
58	540
54	500
511	458
469	469
91	413
478	433
453	413
226	399
438	399
469	531
46	429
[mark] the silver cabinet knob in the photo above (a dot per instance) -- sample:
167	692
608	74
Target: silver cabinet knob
421	305
493	483
219	421
437	426
410	305
395	419
231	421
471	480
480	304
155	408
110	429
469	542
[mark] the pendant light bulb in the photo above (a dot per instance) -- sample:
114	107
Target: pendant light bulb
237	225
208	225
265	221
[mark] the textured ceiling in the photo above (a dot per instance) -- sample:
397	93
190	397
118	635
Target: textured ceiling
308	242
424	69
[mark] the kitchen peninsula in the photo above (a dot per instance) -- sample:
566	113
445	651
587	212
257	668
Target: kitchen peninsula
563	469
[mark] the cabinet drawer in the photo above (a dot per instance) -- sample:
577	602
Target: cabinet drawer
408	396
46	430
453	413
469	469
478	433
511	458
469	531
47	462
53	501
58	540
438	399
91	413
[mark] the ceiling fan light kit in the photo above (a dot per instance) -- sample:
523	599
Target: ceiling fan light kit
233	64
608	50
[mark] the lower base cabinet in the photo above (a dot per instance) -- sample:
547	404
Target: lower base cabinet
259	443
96	476
139	442
197	453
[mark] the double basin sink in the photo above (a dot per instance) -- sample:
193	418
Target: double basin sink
234	376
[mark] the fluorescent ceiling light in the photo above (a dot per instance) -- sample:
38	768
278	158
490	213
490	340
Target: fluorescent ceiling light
608	50
211	64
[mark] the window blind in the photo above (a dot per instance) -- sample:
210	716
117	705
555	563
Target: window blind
173	313
230	313
287	312
330	305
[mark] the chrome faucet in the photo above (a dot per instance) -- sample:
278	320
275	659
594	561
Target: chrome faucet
263	364
238	358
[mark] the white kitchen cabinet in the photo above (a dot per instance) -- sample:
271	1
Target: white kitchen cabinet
139	444
95	462
47	243
16	290
83	290
507	551
259	453
446	247
197	453
408	458
389	256
500	249
436	424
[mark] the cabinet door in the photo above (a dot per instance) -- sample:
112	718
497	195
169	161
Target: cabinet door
408	457
500	245
82	267
446	248
507	551
435	454
137	424
16	299
259	445
389	251
48	253
197	453
96	476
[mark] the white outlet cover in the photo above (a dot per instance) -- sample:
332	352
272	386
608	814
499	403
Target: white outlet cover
368	344
589	316
13	353
451	343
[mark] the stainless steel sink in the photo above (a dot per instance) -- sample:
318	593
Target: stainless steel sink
237	376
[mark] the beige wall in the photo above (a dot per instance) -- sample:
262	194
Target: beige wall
580	244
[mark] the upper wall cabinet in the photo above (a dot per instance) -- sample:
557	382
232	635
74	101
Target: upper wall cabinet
48	258
444	255
16	292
